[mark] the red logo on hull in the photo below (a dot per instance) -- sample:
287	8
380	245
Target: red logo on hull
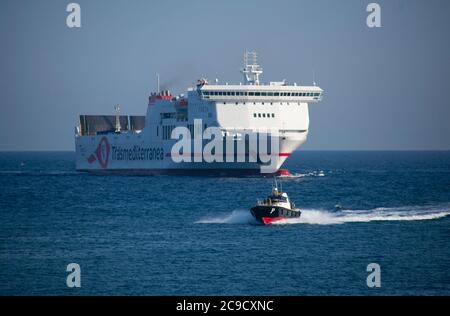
101	153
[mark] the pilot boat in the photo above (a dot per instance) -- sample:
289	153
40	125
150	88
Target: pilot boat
277	206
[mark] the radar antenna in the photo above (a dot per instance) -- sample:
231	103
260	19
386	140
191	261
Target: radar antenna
251	69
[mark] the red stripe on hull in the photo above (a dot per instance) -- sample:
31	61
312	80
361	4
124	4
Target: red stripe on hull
270	220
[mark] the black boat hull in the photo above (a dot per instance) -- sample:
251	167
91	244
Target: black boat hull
265	214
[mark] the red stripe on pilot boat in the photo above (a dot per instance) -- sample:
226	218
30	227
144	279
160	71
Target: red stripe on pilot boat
270	220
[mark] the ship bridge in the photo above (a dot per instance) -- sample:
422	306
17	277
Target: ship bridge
253	90
261	93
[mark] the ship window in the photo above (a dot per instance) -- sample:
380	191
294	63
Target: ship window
268	114
263	94
259	114
236	103
276	94
233	93
270	94
264	114
273	115
245	93
254	114
157	130
251	93
257	94
288	94
262	103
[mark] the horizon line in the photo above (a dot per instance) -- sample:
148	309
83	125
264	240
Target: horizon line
295	151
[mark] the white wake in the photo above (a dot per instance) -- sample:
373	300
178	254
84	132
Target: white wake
235	217
326	217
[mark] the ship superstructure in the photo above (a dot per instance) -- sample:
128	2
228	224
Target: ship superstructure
144	145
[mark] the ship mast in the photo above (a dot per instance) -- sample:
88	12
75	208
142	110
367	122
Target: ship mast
251	69
117	109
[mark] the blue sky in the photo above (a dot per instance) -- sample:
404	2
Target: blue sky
384	88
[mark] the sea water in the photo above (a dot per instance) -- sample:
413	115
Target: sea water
195	235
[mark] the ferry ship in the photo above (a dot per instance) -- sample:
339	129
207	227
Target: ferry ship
144	145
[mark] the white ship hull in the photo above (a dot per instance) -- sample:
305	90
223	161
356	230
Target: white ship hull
99	155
